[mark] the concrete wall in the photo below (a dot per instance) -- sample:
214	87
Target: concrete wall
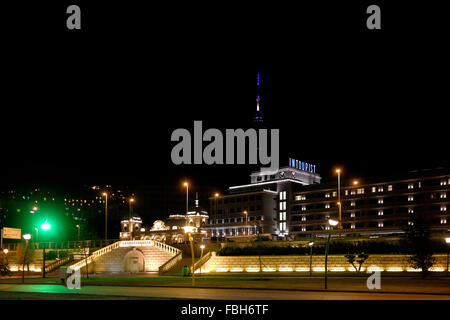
301	263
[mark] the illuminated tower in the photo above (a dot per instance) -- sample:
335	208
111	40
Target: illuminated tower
258	115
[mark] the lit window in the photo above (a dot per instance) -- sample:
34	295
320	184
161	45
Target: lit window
352	215
380	189
390	187
443	183
283	195
327	206
380	201
410	185
303	228
346	192
443	208
327	195
443	220
443	195
282	226
334	194
282	216
301	197
283	205
374	189
353	203
303	208
353	192
352	226
303	218
410	223
360	191
327	227
380	224
410	198
410	210
380	212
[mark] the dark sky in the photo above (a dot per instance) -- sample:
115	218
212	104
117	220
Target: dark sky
99	106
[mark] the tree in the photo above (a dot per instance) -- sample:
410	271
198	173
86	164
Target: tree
418	238
20	255
351	258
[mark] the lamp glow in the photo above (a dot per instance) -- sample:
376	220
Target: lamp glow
311	243
447	240
45	226
27	236
188	229
332	222
5	251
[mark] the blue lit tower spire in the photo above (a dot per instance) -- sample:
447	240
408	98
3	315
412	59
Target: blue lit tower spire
258	115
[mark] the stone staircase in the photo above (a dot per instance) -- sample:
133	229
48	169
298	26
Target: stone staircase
148	256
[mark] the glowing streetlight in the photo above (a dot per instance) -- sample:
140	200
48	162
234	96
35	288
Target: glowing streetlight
355	182
5	251
37	233
338	171
311	244
45	227
216	196
447	240
106	214
27	237
189	230
202	246
187	200
332	223
246	219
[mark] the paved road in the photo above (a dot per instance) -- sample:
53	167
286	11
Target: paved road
219	294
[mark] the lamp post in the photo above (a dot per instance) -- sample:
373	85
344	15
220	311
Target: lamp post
338	171
78	237
44	226
187	200
246	218
311	244
215	216
332	223
130	217
27	237
202	246
106	215
189	230
37	234
447	240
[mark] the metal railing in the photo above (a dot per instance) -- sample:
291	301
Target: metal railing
64	244
171	263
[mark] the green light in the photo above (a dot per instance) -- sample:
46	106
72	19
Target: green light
45	226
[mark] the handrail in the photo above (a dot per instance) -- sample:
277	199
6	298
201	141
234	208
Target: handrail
52	266
124	243
202	261
170	263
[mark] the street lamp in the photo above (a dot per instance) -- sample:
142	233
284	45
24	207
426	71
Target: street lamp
27	237
37	233
187	200
216	195
246	219
311	244
332	223
44	226
189	230
338	171
106	215
78	227
202	246
447	240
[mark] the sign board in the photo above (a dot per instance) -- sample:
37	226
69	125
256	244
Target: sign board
11	233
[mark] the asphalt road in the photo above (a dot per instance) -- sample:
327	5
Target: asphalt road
219	294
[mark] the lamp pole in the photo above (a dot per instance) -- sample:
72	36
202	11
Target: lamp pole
130	217
331	224
338	171
106	215
26	237
215	215
201	256
310	257
189	230
447	240
78	227
187	200
246	227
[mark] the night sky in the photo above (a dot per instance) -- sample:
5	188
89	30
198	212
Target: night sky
100	106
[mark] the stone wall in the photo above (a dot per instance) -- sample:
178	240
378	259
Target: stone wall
375	262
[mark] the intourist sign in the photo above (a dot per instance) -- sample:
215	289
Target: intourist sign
302	165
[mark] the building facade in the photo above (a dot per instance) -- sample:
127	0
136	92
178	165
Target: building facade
373	207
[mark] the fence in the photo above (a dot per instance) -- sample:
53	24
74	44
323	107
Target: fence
65	244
